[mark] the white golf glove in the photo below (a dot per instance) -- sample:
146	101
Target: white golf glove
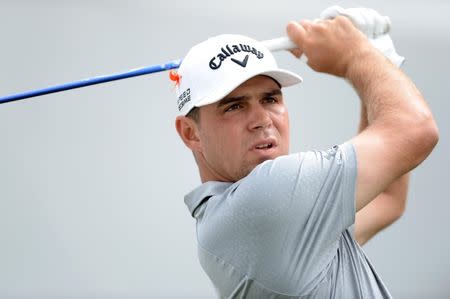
372	24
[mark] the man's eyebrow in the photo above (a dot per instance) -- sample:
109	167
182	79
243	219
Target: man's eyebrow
228	100
273	92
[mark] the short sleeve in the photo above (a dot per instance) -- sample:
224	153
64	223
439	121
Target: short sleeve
296	208
314	189
281	224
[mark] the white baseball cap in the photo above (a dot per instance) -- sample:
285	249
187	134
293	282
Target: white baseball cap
214	68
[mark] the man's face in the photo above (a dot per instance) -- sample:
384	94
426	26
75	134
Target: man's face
247	127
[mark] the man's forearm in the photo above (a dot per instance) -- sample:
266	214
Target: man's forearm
398	118
400	132
389	98
381	212
386	93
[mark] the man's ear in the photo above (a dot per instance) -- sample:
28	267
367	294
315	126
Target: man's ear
187	128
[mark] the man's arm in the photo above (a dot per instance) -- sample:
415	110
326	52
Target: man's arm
401	131
386	208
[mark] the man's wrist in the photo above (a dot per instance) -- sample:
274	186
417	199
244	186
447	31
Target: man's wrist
365	65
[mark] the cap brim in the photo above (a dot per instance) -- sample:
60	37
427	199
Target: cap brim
284	77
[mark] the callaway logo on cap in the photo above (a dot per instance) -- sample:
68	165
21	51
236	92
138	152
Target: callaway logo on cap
215	67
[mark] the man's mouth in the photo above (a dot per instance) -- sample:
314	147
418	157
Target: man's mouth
264	146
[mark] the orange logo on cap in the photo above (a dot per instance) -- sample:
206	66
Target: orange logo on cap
175	77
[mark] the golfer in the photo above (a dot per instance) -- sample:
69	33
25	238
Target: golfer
271	224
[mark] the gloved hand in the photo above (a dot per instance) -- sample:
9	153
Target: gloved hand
372	24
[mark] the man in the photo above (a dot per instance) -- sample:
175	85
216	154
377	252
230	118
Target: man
276	225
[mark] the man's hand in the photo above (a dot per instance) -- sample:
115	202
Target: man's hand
330	45
374	26
367	20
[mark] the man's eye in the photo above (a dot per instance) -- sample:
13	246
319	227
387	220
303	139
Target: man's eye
233	107
270	100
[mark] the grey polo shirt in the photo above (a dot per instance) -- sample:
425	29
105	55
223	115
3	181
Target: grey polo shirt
283	230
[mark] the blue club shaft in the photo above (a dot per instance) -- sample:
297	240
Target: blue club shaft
277	44
91	81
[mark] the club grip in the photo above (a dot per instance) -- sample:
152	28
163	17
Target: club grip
278	44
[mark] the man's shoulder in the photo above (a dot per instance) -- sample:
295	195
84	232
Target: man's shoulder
304	167
274	182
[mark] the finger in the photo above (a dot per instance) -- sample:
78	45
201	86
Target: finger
306	24
355	15
318	21
296	33
296	52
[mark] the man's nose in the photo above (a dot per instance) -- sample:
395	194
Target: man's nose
259	118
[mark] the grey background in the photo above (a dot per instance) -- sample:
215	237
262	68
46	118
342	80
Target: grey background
92	180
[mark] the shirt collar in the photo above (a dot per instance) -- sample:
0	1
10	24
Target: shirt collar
194	198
